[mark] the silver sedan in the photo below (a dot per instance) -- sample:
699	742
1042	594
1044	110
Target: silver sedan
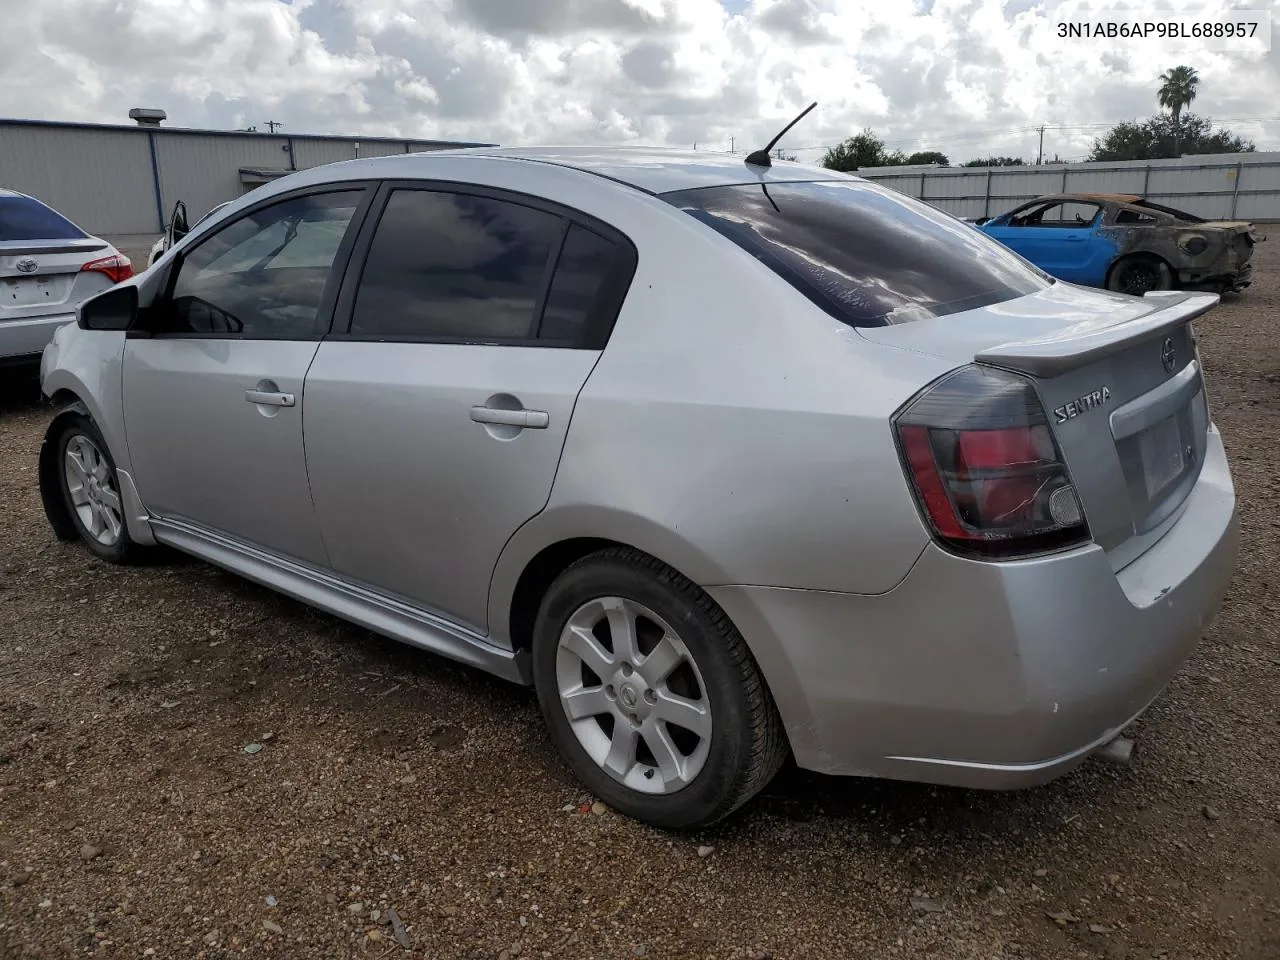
48	265
731	461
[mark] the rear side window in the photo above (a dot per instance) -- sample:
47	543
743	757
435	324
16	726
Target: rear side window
454	266
583	269
22	218
867	255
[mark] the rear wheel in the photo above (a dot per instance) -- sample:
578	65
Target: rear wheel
91	491
1137	275
650	693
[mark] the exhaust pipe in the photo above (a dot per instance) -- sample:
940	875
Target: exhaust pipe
1116	750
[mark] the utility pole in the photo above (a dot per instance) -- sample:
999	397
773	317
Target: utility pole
272	124
731	144
1040	157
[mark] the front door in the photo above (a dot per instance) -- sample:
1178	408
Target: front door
1057	237
435	424
214	399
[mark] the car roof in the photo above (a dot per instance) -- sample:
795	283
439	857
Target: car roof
652	169
1093	197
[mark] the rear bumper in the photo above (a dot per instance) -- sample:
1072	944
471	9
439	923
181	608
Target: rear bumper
1233	279
996	675
29	337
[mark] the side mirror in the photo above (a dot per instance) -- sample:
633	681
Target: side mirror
114	309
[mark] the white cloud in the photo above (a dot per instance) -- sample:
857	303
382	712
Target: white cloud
963	76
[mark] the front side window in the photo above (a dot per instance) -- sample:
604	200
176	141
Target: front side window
1068	213
455	267
867	255
264	275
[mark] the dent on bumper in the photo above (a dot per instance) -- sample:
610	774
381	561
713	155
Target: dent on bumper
991	674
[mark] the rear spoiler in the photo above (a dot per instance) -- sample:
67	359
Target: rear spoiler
20	248
1051	356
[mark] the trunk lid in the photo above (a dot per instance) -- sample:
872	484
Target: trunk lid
1121	384
39	277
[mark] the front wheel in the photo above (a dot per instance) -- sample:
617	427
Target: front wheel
91	491
651	695
1138	275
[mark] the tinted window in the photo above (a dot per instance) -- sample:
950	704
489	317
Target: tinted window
585	262
865	254
22	218
455	266
265	274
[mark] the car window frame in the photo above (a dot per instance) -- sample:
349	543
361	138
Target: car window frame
600	320
1113	216
337	270
1043	206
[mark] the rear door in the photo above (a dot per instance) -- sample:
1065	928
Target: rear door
436	419
214	398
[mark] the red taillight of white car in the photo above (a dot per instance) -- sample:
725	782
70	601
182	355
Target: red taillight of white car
985	466
116	267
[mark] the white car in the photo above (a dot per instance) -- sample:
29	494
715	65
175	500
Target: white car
48	265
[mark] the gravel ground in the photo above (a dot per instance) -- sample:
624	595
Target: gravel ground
134	822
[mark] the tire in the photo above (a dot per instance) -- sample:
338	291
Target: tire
91	497
1139	274
690	663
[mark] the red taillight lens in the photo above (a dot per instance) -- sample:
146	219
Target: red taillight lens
117	267
985	467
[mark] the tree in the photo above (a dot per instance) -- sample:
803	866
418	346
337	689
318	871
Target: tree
1178	89
1163	137
929	156
864	149
995	162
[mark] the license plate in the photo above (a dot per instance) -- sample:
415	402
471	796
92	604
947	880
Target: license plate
1162	457
31	290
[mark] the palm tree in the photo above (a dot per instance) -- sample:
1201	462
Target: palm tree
1177	90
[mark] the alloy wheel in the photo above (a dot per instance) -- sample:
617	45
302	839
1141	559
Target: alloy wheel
633	695
91	486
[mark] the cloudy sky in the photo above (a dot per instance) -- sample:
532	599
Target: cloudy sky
968	77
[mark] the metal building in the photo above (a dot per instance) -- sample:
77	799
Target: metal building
117	179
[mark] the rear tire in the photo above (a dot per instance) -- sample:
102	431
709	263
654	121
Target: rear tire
90	489
673	724
1138	274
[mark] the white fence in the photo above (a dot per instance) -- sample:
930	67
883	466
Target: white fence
1244	186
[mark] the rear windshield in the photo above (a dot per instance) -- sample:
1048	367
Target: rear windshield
867	255
22	218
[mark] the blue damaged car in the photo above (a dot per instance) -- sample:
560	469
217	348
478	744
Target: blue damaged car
1126	243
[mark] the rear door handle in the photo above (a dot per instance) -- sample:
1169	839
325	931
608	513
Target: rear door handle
528	419
270	398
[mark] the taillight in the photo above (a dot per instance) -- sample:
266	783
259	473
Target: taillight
985	466
117	267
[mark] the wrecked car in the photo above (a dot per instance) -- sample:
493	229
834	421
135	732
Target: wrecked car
1127	243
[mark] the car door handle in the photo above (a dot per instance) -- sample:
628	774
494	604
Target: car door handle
529	419
270	398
